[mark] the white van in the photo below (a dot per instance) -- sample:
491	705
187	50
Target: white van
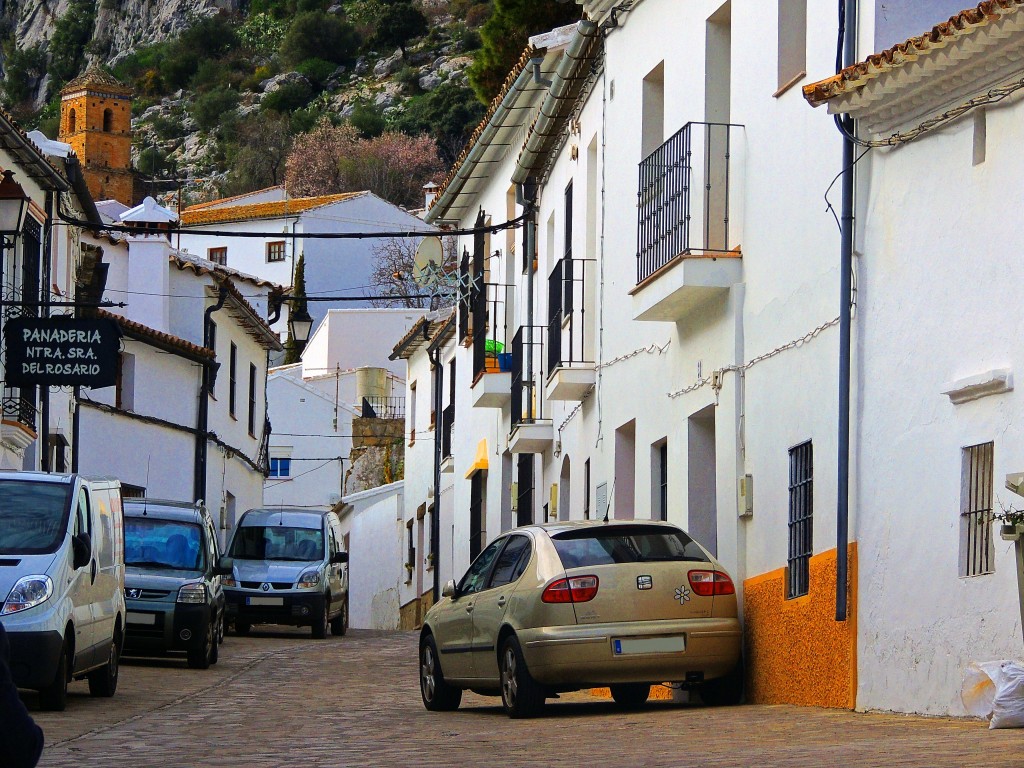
62	581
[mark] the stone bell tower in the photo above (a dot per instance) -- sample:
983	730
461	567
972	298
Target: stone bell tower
96	120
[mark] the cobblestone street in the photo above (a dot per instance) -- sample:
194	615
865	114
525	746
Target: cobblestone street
282	699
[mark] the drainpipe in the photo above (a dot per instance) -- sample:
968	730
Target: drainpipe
849	10
199	473
434	355
529	202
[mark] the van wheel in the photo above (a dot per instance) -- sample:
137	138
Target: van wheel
103	681
242	628
339	624
215	642
54	697
221	628
200	658
320	622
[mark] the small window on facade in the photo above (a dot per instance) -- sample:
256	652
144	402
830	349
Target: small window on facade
659	476
586	489
412	413
275	251
281	467
72	121
976	510
108	120
252	399
218	255
410	550
801	516
524	489
232	379
792	43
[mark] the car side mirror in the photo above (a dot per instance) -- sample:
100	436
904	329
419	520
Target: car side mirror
225	567
81	548
339	557
450	589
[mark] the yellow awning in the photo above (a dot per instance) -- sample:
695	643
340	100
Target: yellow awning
479	461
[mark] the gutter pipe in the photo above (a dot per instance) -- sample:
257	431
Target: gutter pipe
199	474
560	89
848	9
434	355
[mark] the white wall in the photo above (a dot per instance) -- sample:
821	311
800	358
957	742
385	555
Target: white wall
354	338
373	519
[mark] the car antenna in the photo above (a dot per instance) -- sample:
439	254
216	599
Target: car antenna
608	506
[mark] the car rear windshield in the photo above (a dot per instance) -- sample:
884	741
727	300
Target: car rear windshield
162	544
625	544
33	516
278	542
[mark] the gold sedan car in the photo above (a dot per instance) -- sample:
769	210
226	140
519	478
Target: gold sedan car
559	607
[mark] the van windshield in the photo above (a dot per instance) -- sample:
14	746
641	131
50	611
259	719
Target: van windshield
278	542
33	516
162	544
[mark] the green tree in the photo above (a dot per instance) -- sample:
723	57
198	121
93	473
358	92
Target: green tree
292	349
505	35
399	23
208	108
317	35
449	114
257	159
23	69
71	34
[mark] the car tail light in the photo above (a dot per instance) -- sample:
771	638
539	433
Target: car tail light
708	583
577	589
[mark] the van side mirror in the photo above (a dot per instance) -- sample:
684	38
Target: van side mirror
339	557
449	589
81	548
225	566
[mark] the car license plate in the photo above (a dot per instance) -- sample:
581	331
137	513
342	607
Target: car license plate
140	618
629	645
264	601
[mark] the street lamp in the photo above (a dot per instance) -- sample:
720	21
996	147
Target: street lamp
299	324
13	205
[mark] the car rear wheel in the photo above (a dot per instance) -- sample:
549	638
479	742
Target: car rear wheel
103	681
200	658
631	695
339	624
521	696
54	697
438	696
724	691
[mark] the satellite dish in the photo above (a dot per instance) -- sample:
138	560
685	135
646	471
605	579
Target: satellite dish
428	260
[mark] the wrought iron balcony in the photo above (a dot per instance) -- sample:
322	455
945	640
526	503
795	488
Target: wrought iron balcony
383	408
684	225
19	409
531	430
492	369
571	370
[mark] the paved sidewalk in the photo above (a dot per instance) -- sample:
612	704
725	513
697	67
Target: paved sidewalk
281	699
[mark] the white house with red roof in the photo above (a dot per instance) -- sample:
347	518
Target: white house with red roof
262	234
188	417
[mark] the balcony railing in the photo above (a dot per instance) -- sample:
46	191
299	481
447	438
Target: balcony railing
527	371
18	408
567	311
490	330
447	422
685	180
383	408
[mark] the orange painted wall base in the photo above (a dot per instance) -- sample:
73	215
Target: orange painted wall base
796	652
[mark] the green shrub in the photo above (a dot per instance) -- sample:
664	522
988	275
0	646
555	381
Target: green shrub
168	127
288	97
449	114
317	35
209	108
22	67
262	34
317	71
368	120
399	23
152	161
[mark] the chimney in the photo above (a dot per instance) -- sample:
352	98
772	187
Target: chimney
149	250
429	193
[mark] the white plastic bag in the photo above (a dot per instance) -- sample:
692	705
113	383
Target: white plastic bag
994	691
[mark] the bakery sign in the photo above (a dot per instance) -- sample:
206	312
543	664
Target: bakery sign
61	352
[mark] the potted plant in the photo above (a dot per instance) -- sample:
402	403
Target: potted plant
1012	523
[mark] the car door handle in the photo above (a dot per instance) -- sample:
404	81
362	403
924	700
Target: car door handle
501	601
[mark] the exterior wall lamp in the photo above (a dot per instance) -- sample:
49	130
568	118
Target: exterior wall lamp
300	324
13	206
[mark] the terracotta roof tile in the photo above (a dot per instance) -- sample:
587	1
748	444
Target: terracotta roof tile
858	75
221	200
97	78
142	332
272	210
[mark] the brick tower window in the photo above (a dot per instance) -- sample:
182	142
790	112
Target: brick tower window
108	120
71	121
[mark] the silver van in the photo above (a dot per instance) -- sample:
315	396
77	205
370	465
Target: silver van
62	580
288	567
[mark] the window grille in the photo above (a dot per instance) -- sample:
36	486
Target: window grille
976	510
801	516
